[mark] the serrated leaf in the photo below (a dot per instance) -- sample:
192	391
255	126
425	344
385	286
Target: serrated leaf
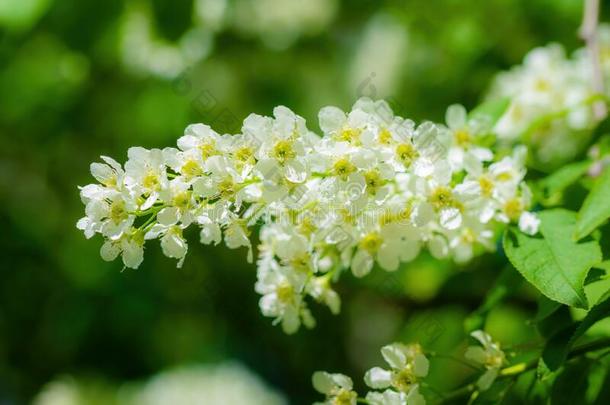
553	262
596	208
491	110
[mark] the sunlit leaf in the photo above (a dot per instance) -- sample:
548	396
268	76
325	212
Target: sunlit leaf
596	208
553	262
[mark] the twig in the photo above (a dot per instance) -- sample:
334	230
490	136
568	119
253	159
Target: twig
588	32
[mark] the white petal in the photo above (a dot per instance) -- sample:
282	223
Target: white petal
168	216
421	365
322	382
414	397
173	245
109	251
295	171
438	247
485	381
331	119
133	255
388	256
210	233
529	223
378	378
456	116
362	263
450	218
476	354
394	355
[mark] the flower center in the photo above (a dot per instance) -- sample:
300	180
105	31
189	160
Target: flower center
442	197
385	136
351	135
244	154
283	151
118	213
182	200
513	208
371	242
191	169
462	137
486	185
373	181
403	379
151	181
285	292
343	168
406	153
207	150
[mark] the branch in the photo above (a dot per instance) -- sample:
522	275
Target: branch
588	32
521	368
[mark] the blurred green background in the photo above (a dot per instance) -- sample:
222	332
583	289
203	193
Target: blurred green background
79	79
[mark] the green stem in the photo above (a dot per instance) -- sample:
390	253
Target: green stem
520	368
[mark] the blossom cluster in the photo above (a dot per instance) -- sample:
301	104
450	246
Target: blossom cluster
400	384
375	188
551	99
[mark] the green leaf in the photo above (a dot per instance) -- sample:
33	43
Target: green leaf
553	262
580	383
491	110
563	178
596	208
557	320
557	348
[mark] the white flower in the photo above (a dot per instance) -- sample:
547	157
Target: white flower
550	103
489	355
465	152
130	246
145	174
319	288
108	211
169	230
389	397
407	366
338	388
529	223
282	299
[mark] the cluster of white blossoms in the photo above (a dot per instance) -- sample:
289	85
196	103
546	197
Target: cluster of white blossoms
399	384
551	99
375	188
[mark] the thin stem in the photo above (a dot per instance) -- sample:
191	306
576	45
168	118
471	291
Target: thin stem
518	369
455	359
588	32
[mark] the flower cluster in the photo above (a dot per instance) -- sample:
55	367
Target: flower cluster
551	100
400	384
375	188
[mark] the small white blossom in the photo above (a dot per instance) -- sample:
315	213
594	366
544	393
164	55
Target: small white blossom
488	355
408	366
338	388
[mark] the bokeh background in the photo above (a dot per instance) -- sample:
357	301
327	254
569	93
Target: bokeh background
83	78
